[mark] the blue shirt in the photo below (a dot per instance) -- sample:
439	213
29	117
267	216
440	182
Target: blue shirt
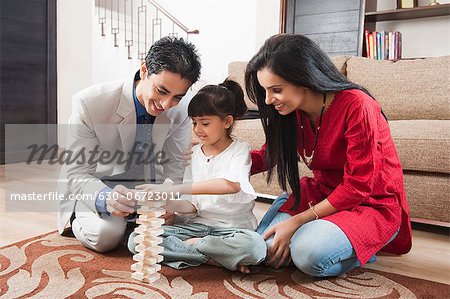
142	117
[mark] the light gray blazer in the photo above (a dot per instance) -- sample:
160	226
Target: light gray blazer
104	115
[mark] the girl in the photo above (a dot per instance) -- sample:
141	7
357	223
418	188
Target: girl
222	231
355	204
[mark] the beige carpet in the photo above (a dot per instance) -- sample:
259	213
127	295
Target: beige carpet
51	266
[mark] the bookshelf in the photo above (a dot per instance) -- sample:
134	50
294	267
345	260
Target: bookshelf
372	16
408	13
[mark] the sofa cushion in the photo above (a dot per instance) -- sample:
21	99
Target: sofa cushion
236	71
340	62
427	196
406	89
422	145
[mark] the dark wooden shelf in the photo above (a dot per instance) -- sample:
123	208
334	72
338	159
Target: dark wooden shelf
408	13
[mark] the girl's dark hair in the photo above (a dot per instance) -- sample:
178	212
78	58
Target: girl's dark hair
299	61
224	99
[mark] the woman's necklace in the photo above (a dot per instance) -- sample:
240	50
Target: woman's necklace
308	159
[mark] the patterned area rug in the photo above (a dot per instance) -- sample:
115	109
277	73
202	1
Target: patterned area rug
51	266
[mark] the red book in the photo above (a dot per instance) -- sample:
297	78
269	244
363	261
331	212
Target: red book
366	33
386	46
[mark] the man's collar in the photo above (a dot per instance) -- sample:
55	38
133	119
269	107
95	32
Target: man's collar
140	110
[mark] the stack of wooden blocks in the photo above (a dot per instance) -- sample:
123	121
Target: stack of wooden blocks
149	252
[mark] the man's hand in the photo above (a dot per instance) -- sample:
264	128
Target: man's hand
121	201
188	153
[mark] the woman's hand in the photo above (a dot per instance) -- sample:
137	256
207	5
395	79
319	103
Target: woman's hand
169	218
279	252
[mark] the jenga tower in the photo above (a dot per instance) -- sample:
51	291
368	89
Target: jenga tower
146	267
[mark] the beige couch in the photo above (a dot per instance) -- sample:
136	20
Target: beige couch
415	96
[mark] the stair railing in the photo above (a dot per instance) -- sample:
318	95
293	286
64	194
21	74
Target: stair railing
162	23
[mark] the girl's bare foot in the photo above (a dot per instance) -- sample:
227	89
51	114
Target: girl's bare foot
240	268
243	269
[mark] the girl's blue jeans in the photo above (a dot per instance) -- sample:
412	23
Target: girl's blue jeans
318	248
229	247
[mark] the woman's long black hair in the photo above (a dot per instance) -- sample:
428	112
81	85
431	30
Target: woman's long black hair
299	61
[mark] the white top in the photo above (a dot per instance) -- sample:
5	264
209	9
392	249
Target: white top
228	210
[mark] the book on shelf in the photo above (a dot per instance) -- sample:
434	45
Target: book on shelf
383	45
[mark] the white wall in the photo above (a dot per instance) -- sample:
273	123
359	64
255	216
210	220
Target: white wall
428	37
74	52
267	20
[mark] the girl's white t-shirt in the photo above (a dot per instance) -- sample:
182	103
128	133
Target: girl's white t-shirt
228	210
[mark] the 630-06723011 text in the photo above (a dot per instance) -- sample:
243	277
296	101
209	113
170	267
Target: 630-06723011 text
52	196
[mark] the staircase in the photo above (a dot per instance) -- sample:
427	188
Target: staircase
137	24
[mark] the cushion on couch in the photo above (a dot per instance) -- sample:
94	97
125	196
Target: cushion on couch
422	145
406	89
236	71
427	196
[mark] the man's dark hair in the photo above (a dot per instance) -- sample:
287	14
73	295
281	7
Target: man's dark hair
174	55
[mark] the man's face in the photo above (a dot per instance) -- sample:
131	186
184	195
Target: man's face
161	91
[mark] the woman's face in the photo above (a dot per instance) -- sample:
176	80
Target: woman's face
284	96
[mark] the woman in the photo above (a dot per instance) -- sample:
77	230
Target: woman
355	204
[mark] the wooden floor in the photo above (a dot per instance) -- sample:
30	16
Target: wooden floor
429	258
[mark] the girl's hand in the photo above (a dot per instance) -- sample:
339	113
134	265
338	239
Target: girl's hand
156	188
279	252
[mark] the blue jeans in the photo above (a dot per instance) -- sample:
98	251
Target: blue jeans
318	248
227	246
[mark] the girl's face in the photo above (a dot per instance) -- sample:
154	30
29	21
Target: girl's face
211	129
284	96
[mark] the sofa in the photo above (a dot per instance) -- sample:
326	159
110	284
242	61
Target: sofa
415	96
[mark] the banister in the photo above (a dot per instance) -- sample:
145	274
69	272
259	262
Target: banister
172	18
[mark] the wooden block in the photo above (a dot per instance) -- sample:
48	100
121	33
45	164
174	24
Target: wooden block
153	222
154	250
149	211
148	260
152	203
150	241
147	269
149	231
151	278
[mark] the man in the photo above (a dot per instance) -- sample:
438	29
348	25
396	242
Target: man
139	120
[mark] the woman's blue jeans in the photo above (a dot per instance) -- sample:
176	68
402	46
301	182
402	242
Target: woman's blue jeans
318	248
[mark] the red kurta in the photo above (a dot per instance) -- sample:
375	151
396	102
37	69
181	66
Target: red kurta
356	167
